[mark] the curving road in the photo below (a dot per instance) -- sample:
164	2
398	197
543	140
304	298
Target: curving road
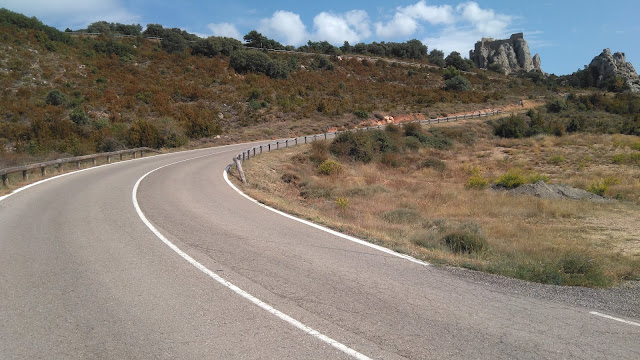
83	276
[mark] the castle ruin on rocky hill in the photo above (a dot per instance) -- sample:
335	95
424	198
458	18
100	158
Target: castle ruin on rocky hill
508	55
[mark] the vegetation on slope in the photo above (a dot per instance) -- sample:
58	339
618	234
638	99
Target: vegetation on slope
425	192
72	95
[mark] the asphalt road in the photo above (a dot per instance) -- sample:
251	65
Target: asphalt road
83	276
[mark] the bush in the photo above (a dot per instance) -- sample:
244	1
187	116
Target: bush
401	216
142	133
512	127
433	163
457	83
356	145
557	106
511	180
329	167
557	159
79	117
465	241
477	182
361	114
56	98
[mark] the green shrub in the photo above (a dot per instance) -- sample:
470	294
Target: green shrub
361	114
477	182
557	106
619	159
382	141
356	145
511	180
342	203
79	117
458	83
56	98
535	177
433	163
329	167
392	160
401	216
412	143
465	241
557	159
512	127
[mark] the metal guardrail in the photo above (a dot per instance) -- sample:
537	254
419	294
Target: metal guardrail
4	173
283	144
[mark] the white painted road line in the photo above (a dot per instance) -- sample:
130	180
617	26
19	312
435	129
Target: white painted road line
614	318
325	229
345	349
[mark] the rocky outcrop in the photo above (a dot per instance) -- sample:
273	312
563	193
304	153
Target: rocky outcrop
511	55
607	67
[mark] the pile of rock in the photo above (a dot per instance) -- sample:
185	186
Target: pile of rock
511	55
607	67
548	191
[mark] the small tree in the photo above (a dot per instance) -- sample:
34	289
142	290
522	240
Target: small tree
454	59
458	83
436	57
56	98
173	42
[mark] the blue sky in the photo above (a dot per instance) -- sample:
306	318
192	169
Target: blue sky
567	34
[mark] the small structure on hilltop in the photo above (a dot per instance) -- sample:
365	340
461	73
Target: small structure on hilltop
607	68
506	56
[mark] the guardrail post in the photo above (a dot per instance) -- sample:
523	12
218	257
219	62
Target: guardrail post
296	141
254	151
134	155
43	170
93	161
277	145
25	175
120	157
108	159
243	156
269	147
305	139
141	153
77	164
325	136
286	143
314	137
260	149
5	180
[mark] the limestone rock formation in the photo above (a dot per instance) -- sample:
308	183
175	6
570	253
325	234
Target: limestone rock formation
511	54
607	67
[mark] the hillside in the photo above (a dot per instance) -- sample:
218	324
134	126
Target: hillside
74	95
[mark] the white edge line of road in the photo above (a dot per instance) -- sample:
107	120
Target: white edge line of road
614	318
365	243
114	163
345	349
325	229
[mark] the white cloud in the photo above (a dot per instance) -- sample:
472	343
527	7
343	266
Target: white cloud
401	25
72	13
225	29
284	25
352	26
433	14
470	25
486	21
405	22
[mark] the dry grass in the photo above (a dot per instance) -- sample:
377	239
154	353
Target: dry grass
413	210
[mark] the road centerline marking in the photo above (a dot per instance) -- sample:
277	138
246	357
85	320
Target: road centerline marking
308	330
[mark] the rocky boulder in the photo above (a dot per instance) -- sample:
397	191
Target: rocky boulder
510	55
607	67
